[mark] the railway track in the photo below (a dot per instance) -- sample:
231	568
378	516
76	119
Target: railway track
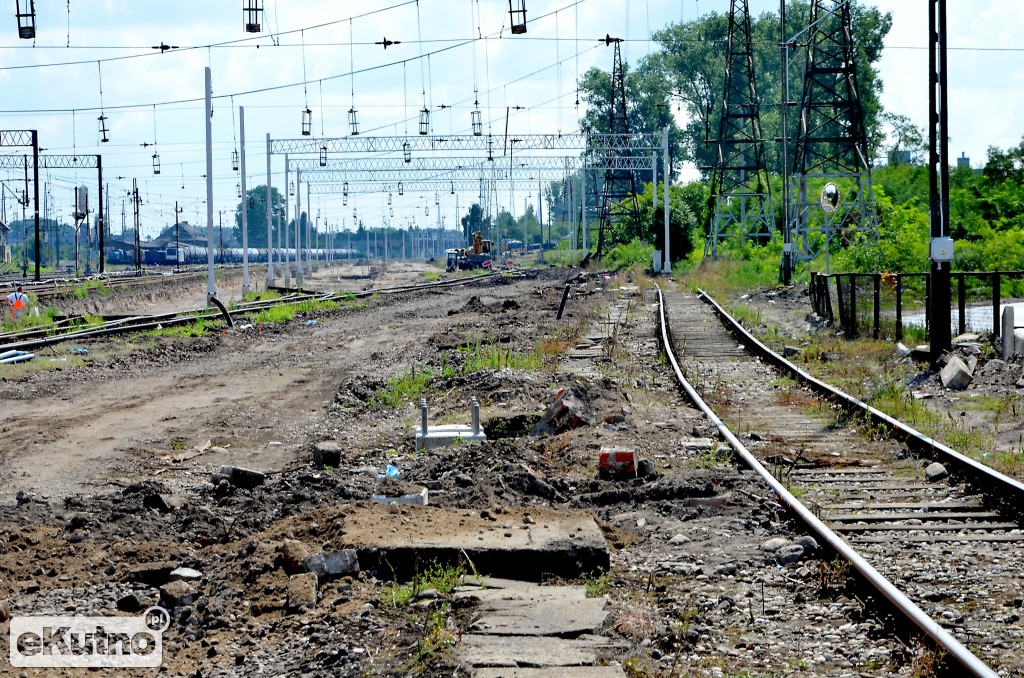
37	338
945	553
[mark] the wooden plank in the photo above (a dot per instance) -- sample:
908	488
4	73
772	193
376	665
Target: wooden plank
925	538
927	506
927	515
942	527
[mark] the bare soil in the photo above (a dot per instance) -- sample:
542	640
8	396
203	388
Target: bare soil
109	470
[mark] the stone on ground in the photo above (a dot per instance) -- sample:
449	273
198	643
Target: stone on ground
302	590
955	375
935	472
570	410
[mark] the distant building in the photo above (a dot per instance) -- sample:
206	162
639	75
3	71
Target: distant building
963	161
5	248
899	157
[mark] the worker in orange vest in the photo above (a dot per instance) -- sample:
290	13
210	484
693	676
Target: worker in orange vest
19	304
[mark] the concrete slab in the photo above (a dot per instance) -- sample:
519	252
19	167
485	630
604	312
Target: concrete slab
553	672
561	618
489	595
562	543
530	652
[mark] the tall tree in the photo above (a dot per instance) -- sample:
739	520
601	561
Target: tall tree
256	204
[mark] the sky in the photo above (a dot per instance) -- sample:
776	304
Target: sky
451	53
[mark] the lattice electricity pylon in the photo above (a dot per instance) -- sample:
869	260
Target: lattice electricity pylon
831	144
740	206
619	196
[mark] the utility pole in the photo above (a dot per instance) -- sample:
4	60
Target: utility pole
939	332
245	210
137	201
787	226
211	281
270	227
177	236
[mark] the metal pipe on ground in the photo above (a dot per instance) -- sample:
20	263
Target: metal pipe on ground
561	304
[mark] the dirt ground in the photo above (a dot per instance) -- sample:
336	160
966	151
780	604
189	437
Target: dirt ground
111	476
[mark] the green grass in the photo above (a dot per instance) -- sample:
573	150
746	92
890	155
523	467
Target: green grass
405	387
193	329
435	575
431	276
284	312
480	356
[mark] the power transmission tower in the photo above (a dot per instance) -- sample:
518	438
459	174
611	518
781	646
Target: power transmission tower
831	179
619	182
740	205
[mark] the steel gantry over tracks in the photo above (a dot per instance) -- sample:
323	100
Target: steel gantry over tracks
460	163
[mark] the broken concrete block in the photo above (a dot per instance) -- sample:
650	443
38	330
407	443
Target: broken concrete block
421	498
244	478
186	574
327	453
295	554
570	410
152	574
935	472
972	364
165	503
177	594
327	564
302	590
1018	341
955	374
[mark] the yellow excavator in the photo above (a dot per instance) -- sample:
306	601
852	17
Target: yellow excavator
477	256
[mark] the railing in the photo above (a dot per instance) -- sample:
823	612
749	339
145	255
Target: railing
880	301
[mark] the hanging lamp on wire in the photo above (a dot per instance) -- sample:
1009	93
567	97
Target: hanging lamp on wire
323	155
234	137
103	118
389	198
307	114
406	151
156	155
353	114
425	121
517	15
401	190
251	15
26	13
238	190
344	189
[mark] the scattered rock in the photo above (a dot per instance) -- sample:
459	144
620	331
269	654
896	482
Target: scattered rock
935	472
328	564
5	610
645	468
903	351
302	590
244	478
570	410
165	503
133	602
775	544
789	554
955	375
327	453
790	351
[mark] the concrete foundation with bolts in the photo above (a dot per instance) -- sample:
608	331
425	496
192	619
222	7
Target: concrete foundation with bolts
429	437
